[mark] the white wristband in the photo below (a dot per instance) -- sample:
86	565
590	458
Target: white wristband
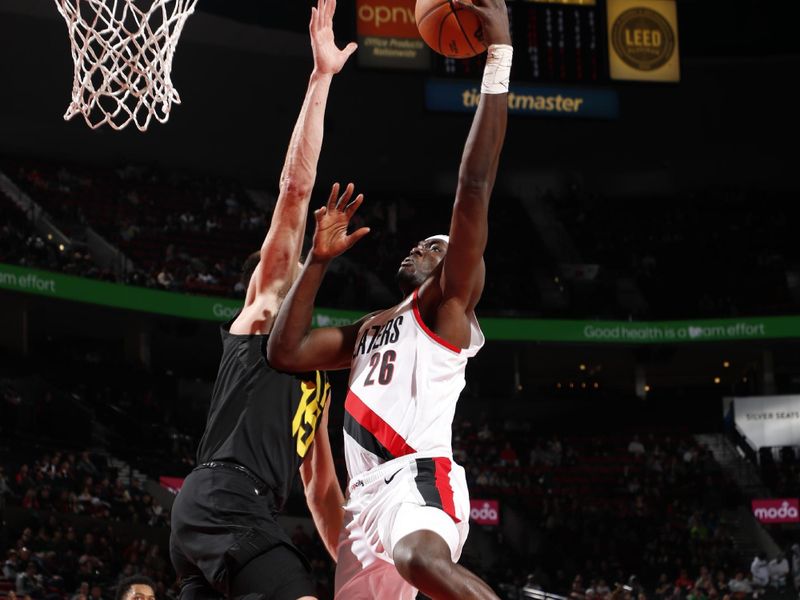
498	69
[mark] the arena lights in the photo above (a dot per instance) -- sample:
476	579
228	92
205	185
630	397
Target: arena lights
717	380
726	364
646	388
582	367
596	385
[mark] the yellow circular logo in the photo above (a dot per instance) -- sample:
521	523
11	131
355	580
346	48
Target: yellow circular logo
643	39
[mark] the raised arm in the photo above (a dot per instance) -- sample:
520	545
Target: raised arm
293	345
280	251
463	271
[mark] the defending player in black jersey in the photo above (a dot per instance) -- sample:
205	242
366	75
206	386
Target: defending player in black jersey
261	423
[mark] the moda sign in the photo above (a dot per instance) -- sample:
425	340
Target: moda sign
485	512
777	510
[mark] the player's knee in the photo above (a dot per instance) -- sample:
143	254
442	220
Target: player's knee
422	557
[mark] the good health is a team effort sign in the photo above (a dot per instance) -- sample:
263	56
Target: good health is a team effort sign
209	308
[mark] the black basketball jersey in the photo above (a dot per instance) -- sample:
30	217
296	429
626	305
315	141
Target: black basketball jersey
260	418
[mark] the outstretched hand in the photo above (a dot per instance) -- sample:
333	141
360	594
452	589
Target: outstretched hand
493	15
331	238
328	59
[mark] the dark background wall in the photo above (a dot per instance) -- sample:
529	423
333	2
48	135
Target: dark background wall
728	121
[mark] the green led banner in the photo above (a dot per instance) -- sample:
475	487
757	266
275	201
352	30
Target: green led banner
81	289
208	308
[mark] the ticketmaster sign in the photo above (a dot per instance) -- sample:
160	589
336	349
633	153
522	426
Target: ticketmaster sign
542	101
79	289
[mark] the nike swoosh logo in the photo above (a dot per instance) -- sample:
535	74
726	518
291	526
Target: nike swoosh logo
392	477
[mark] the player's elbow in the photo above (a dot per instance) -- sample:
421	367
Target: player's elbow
279	355
296	188
474	186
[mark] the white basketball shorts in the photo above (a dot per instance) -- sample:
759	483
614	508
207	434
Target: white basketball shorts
384	505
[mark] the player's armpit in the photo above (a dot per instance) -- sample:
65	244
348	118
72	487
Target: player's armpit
325	348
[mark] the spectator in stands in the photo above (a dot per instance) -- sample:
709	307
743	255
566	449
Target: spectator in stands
705	583
697	593
12	565
508	456
97	592
5	490
138	587
165	279
721	584
82	593
23	478
86	466
683	581
778	571
636	447
664	588
760	571
577	592
739	586
796	566
29	582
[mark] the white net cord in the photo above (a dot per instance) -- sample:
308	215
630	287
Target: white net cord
123	52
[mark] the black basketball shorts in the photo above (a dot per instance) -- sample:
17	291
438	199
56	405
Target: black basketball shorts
221	522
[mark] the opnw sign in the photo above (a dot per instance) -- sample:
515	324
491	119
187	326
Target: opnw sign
388	35
391	18
485	512
777	510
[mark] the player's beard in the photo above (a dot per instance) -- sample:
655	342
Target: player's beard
409	280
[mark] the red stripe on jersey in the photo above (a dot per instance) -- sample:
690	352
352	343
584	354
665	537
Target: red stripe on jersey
382	431
431	334
443	466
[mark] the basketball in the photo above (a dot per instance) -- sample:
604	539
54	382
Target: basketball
449	29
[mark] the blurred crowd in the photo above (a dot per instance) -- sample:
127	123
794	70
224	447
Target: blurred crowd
79	483
613	516
606	257
780	470
731	250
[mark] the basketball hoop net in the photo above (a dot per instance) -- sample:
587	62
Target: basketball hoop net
123	58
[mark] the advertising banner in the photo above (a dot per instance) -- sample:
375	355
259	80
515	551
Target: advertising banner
768	420
172	484
115	295
210	308
643	40
485	512
777	510
540	100
388	36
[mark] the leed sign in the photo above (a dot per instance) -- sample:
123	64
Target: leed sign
388	36
643	40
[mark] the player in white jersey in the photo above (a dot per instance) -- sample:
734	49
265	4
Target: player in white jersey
407	511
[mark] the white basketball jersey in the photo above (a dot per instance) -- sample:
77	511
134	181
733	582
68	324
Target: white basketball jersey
404	385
